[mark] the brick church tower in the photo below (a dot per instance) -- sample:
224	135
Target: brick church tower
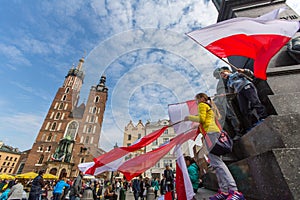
70	133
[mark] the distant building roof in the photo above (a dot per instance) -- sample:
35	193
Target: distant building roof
8	149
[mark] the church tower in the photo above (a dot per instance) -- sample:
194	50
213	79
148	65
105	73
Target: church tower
70	133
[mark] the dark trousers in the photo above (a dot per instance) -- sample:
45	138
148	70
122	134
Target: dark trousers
248	101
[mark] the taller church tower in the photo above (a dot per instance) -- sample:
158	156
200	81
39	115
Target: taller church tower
70	133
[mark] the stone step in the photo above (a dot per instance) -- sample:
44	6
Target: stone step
286	103
270	175
277	131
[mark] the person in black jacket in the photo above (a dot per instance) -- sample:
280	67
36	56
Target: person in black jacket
36	186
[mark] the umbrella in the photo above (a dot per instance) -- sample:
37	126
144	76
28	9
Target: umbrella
6	177
50	176
28	175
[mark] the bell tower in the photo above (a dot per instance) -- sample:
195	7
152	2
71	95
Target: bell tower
70	133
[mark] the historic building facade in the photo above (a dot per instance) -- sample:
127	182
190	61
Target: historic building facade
131	134
70	133
9	158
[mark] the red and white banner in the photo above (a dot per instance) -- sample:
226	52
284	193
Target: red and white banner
250	37
111	160
178	112
184	188
140	164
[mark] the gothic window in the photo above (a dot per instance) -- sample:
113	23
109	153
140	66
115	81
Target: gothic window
129	137
94	110
41	159
90	128
53	126
40	148
48	148
82	160
57	115
49	137
139	136
71	130
97	99
92	119
64	97
54	138
87	140
61	106
67	90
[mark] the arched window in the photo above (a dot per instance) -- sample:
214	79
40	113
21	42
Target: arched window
41	159
61	106
53	126
94	110
87	140
72	130
67	90
43	137
97	99
49	137
57	115
92	119
49	148
40	148
64	98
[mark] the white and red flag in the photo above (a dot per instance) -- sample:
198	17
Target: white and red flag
254	38
178	112
140	164
111	160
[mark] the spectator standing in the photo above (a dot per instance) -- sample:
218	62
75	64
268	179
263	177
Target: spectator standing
75	190
193	171
168	173
4	195
136	187
16	191
59	188
163	185
155	185
36	186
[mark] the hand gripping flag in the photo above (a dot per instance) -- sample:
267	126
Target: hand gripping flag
113	159
254	38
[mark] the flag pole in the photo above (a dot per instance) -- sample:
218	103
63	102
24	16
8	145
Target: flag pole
231	65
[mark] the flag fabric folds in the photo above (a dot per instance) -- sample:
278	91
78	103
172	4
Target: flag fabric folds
178	112
140	164
254	38
184	188
114	158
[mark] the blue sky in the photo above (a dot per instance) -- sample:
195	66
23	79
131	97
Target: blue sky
139	45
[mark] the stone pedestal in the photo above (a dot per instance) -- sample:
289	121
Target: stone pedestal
270	175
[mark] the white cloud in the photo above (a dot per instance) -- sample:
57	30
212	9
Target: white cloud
13	55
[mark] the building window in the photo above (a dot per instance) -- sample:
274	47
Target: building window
129	137
139	136
90	128
64	97
13	164
155	142
48	148
97	99
82	160
92	119
6	157
40	148
43	136
128	144
8	163
4	170
166	132
9	170
53	126
15	159
1	169
57	115
87	140
54	138
72	130
49	137
41	159
94	110
4	163
67	90
61	106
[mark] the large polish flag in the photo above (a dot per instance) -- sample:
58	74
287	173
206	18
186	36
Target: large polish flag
254	38
111	160
140	164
